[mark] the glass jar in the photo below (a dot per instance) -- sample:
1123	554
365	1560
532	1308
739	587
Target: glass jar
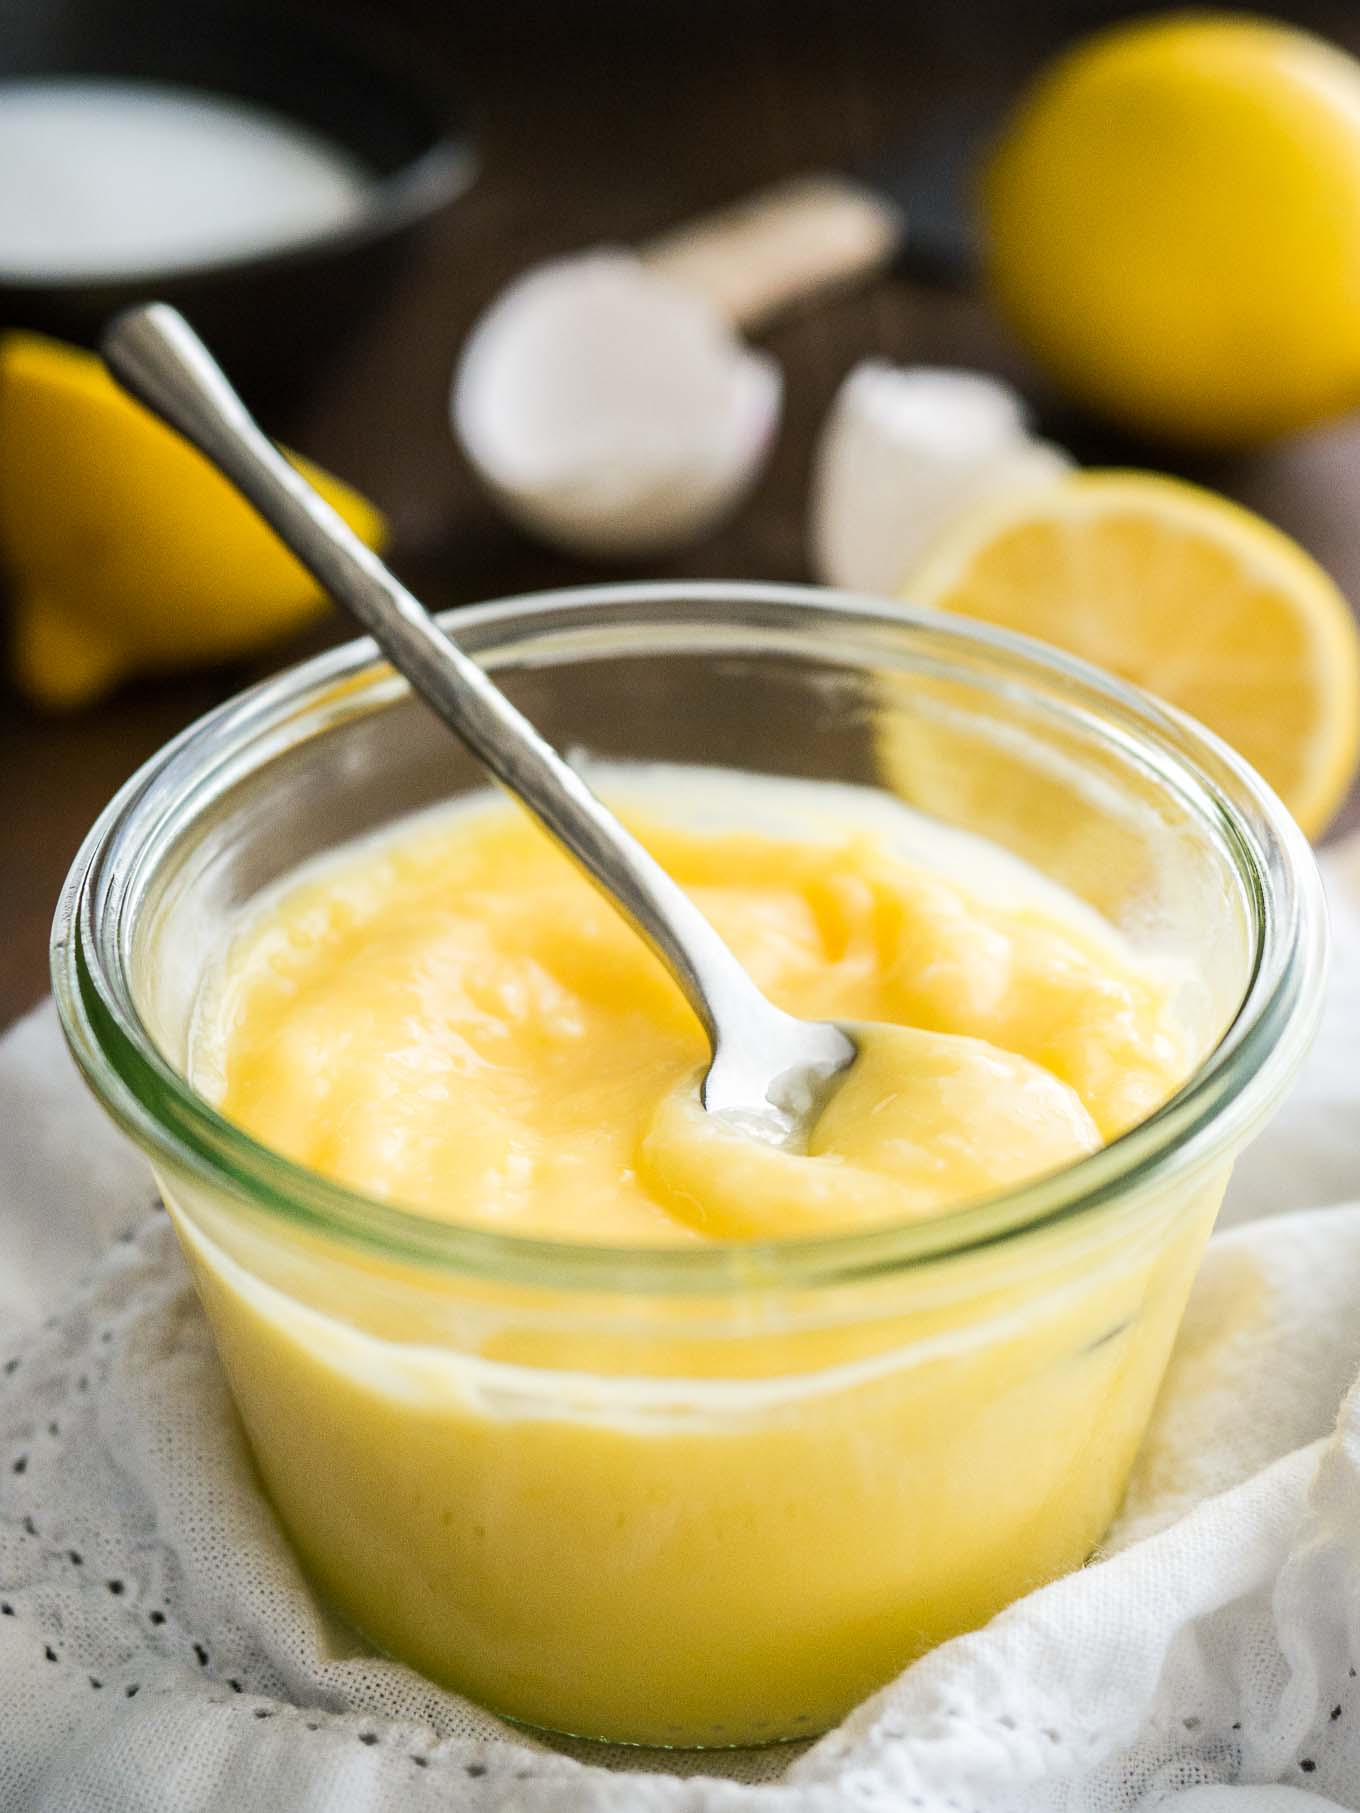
716	1495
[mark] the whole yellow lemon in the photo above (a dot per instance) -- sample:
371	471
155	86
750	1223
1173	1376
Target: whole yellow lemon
1173	226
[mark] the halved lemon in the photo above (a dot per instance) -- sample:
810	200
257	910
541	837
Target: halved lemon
125	552
1185	594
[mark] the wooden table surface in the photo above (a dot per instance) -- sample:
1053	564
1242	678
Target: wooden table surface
610	124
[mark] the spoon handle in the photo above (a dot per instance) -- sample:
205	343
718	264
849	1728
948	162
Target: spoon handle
155	355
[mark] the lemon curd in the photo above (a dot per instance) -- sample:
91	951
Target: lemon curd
615	1532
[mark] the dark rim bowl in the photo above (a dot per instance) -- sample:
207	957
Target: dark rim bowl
347	76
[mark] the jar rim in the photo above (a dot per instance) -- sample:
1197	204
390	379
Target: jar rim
1227	1094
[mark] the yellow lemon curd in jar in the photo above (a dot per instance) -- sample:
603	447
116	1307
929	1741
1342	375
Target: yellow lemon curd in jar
708	1523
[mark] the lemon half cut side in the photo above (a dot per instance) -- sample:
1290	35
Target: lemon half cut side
1185	594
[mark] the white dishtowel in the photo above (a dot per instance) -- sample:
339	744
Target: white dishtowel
160	1653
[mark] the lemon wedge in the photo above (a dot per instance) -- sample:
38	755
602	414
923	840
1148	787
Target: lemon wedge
1185	594
1173	226
124	551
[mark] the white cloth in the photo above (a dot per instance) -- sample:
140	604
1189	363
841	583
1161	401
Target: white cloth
160	1653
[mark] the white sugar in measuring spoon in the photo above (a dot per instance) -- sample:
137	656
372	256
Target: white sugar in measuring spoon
609	401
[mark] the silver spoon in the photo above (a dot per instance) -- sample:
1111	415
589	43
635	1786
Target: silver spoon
770	1071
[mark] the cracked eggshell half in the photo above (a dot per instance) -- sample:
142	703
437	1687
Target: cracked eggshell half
907	451
610	410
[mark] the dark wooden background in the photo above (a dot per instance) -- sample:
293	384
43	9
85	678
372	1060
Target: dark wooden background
602	120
